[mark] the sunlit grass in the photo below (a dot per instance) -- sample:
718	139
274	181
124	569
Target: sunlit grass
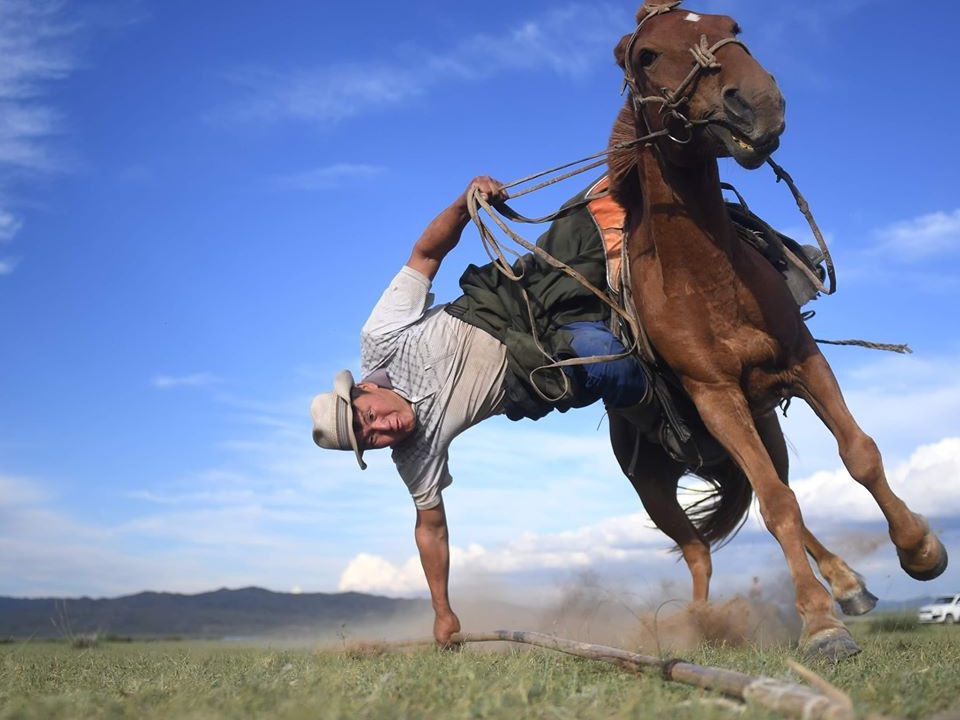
911	674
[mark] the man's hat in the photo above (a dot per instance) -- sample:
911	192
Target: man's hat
333	418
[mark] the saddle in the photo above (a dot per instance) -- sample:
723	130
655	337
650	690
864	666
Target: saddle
668	417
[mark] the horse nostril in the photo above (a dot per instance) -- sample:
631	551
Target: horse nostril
737	108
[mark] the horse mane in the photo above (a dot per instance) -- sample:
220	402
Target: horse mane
622	164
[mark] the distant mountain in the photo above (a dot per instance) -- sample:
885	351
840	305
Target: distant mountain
245	612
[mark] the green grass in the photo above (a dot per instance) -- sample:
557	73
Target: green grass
911	674
894	622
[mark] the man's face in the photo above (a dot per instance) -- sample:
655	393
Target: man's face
381	418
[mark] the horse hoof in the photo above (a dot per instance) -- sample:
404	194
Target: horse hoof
860	603
931	547
831	645
934	572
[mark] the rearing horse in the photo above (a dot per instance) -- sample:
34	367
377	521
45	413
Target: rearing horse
720	316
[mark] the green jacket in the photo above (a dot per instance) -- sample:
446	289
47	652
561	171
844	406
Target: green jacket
494	303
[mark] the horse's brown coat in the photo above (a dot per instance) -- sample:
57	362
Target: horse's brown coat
723	320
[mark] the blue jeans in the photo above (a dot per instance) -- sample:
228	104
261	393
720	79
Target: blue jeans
619	383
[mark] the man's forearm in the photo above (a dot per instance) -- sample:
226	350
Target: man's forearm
440	237
443	233
434	546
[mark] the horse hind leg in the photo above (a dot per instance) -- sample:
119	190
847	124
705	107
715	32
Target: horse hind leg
846	585
920	551
654	476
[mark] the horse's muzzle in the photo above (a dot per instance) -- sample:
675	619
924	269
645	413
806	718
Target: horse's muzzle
750	124
754	115
749	152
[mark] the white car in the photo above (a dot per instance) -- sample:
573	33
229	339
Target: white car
945	609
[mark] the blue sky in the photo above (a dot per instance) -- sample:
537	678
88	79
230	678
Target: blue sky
200	203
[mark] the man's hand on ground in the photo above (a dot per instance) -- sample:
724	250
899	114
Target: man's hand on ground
445	625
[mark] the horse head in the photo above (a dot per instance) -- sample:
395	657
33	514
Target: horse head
690	76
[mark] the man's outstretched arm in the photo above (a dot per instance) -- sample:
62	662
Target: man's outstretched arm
434	547
443	233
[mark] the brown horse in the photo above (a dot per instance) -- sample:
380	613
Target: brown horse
722	319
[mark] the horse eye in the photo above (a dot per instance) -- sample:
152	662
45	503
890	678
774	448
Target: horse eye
647	57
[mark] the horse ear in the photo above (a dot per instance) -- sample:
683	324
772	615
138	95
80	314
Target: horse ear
620	51
645	9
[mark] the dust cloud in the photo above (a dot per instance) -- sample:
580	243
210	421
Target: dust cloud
658	621
857	546
663	620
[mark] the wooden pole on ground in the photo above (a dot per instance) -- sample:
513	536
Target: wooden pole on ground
785	697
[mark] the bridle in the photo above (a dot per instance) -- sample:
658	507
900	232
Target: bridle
704	57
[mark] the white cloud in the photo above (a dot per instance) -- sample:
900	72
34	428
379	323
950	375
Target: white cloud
165	382
918	239
30	35
35	49
236	525
927	482
9	226
760	23
567	40
328	177
34	45
903	402
374	574
626	539
16	491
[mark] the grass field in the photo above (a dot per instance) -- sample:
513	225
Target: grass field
913	674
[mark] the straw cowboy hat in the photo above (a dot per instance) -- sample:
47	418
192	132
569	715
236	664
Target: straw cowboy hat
333	418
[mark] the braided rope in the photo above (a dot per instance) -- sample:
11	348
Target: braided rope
703	55
903	349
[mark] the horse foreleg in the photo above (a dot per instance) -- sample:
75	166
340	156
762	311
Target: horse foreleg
846	585
921	553
654	476
725	412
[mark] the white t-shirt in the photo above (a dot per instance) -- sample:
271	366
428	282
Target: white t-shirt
451	372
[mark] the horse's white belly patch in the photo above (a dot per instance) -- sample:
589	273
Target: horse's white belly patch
692	17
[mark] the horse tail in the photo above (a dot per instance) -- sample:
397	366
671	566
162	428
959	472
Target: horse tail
722	511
